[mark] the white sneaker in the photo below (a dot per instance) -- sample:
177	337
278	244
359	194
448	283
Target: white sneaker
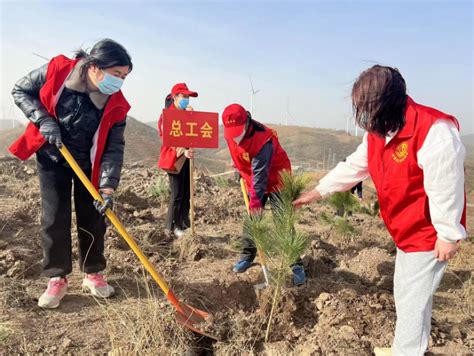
96	285
383	351
56	291
178	232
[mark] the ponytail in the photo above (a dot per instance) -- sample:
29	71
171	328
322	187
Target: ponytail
168	101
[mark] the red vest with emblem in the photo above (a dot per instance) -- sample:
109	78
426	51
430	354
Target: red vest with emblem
248	148
115	111
168	156
399	180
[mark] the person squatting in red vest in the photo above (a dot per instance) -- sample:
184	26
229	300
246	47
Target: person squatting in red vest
415	157
175	161
77	102
259	158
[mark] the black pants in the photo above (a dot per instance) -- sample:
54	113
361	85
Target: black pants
55	185
178	209
249	251
357	187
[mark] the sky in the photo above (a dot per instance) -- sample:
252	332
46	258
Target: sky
303	56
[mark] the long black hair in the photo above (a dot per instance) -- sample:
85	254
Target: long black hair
252	126
105	54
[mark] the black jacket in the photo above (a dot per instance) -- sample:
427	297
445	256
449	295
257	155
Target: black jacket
78	120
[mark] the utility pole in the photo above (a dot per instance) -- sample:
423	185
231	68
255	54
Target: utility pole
329	160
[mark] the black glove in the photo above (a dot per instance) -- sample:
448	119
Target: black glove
50	130
108	203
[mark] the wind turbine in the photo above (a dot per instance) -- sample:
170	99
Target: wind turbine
288	114
40	56
252	94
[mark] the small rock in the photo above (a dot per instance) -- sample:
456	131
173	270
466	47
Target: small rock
347	329
377	306
348	332
456	332
322	299
66	343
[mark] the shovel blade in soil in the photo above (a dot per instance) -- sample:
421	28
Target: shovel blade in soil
194	319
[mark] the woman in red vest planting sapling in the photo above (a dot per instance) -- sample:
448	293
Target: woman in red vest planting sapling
77	102
415	157
259	158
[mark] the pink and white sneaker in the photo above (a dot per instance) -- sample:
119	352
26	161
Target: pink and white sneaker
96	285
56	291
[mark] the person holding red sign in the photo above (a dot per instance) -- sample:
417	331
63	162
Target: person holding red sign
259	158
415	157
77	102
175	161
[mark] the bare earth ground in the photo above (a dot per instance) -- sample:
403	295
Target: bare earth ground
345	308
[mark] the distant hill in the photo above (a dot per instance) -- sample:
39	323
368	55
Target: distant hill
7	137
307	147
152	124
9	124
468	140
142	142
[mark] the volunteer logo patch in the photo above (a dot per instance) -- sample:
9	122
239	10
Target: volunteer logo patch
401	152
246	156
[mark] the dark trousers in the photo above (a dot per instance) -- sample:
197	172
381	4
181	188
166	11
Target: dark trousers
178	209
56	182
357	188
249	251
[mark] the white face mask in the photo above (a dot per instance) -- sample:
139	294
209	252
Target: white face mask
239	138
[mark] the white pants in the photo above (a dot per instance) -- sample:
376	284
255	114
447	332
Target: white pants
417	276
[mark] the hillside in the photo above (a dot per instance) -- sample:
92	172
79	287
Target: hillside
307	147
7	137
468	140
142	142
8	124
314	149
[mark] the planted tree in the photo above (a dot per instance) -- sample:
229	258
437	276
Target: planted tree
345	204
277	236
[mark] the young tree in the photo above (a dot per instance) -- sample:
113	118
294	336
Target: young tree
277	238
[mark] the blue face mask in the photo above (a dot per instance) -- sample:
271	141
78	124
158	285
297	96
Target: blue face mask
110	84
183	103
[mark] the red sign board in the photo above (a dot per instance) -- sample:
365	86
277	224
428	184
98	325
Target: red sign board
197	129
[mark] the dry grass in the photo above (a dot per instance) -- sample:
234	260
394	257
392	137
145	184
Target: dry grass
5	332
144	324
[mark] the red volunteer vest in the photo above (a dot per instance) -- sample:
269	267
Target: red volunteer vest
399	180
168	157
115	111
243	153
